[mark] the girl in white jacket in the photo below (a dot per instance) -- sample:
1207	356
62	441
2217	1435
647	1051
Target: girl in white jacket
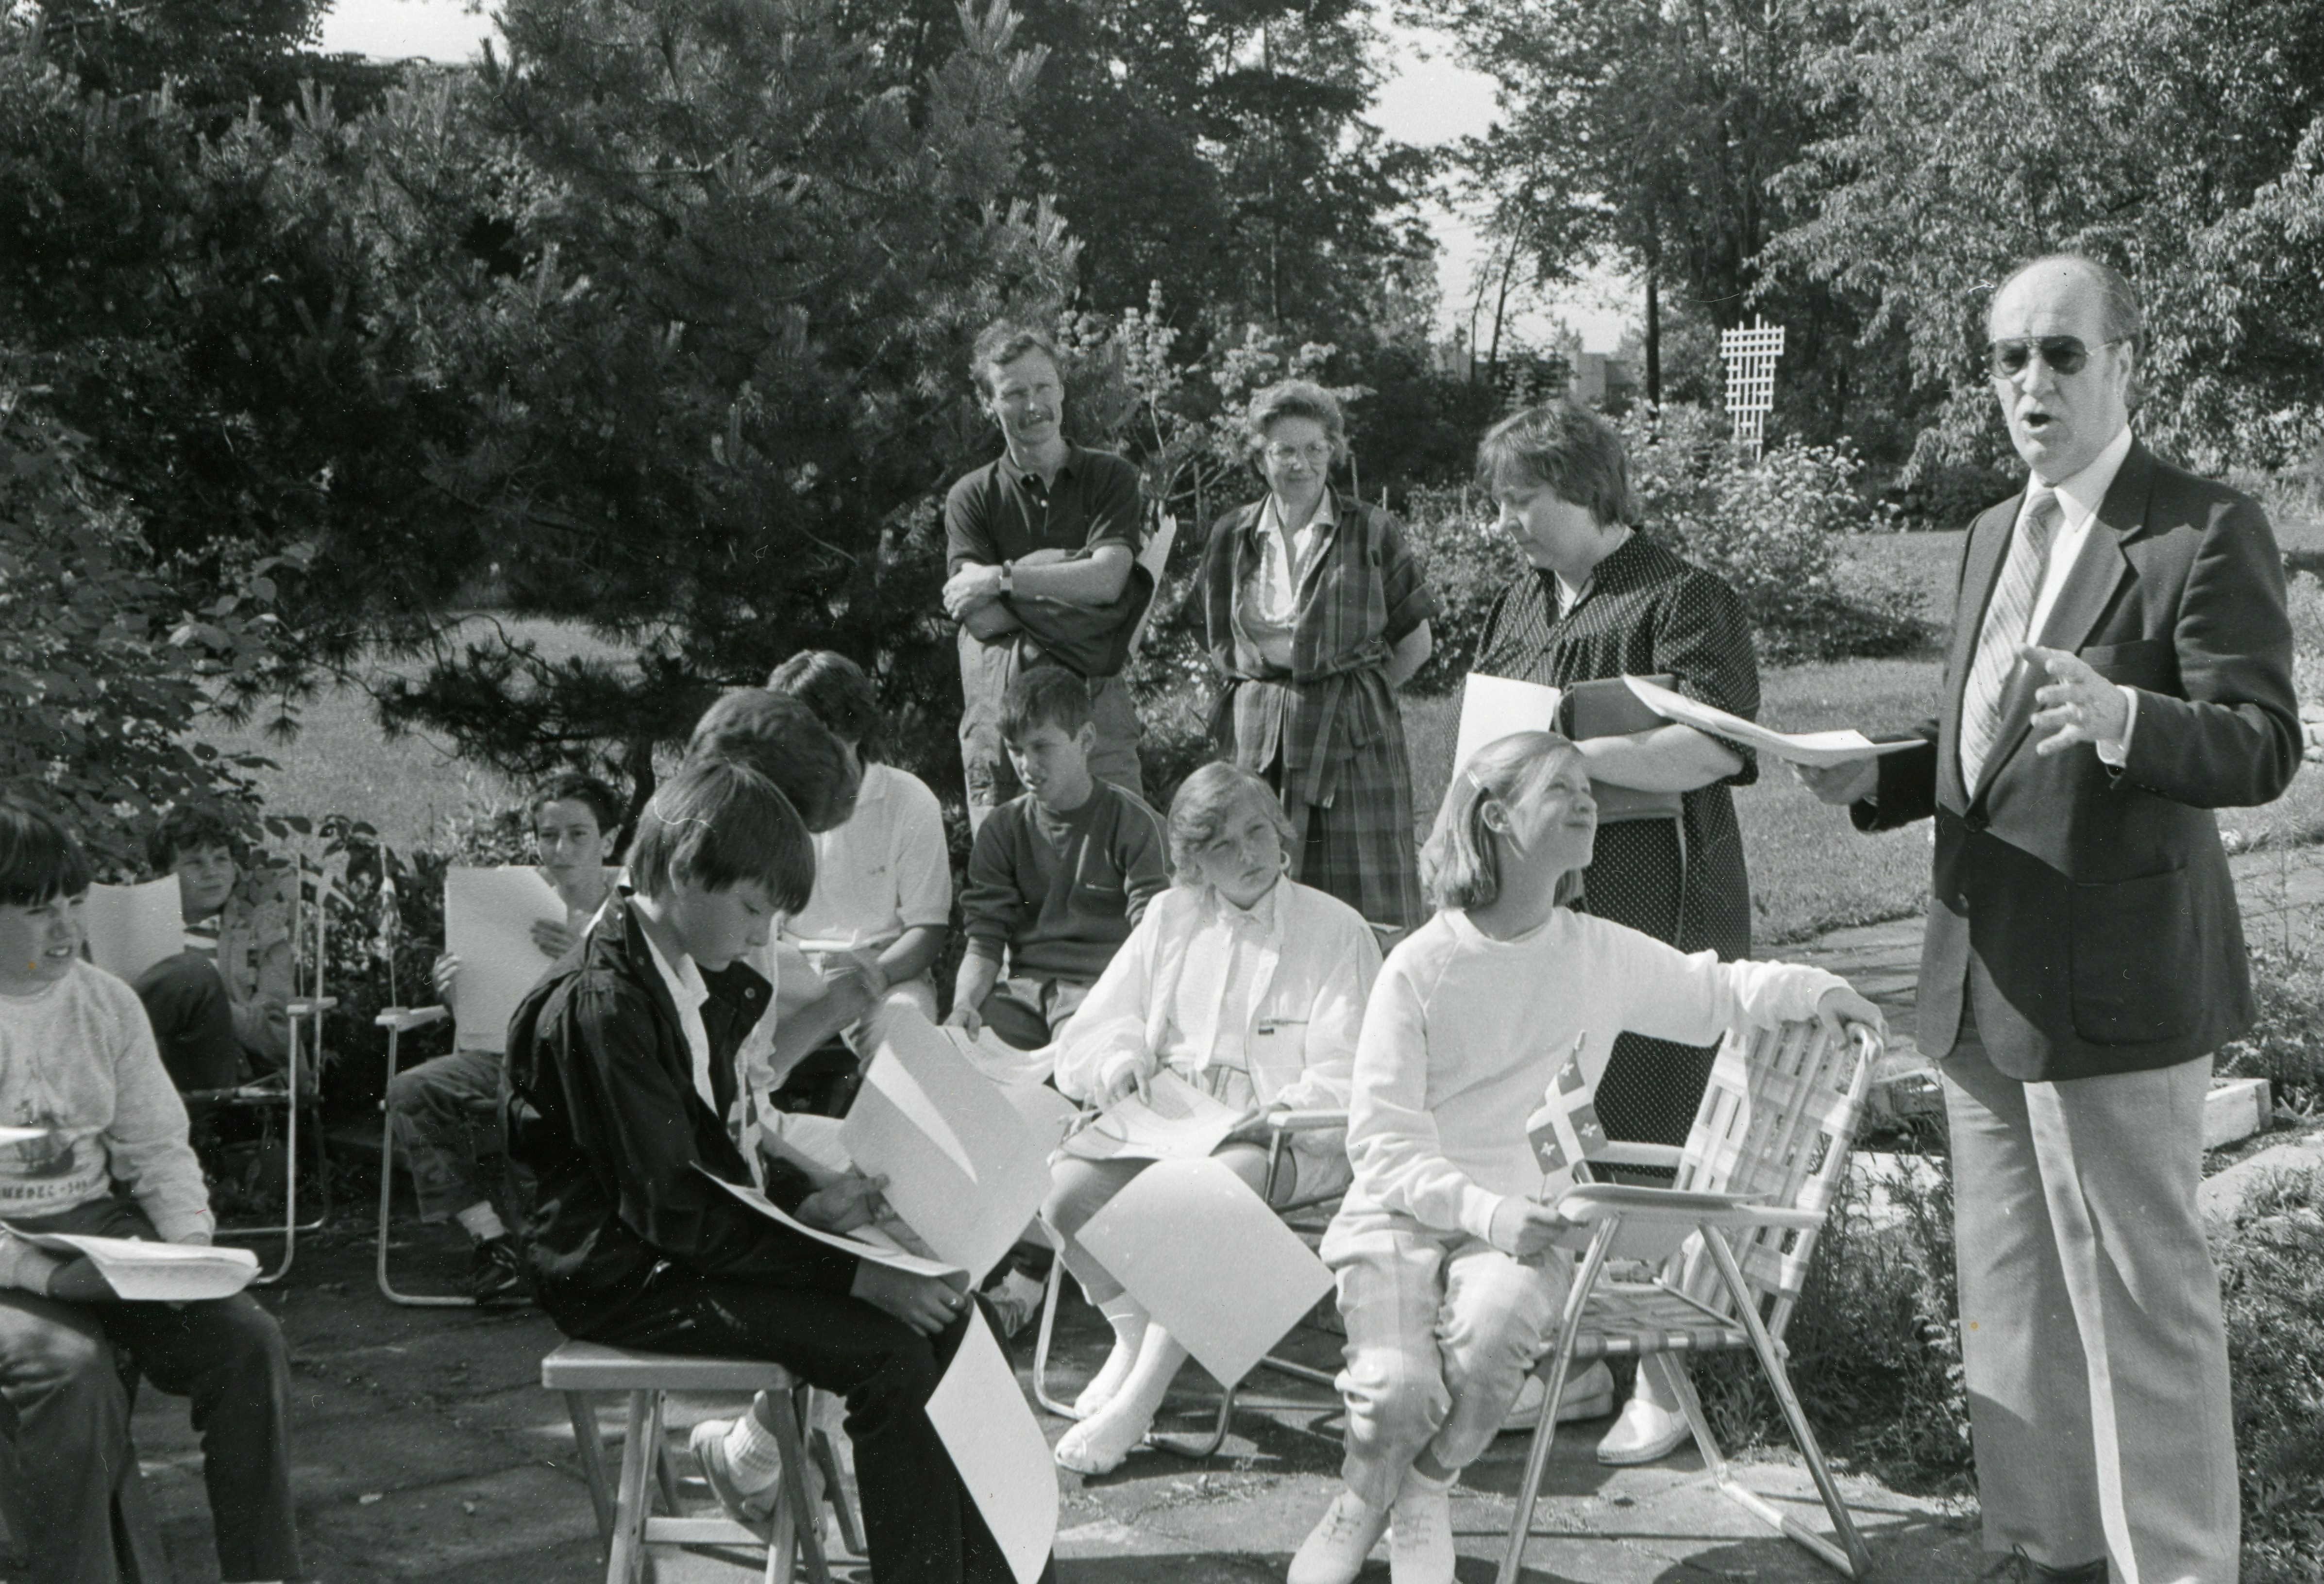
1247	985
1447	1246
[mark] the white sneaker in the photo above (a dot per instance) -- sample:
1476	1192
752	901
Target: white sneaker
752	1509
1014	1300
1420	1533
1588	1395
1334	1550
1644	1434
1099	1443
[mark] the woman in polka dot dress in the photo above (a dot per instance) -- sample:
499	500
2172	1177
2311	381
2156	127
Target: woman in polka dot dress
1603	600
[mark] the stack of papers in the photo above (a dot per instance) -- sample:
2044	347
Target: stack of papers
142	1272
1820	750
1174	1120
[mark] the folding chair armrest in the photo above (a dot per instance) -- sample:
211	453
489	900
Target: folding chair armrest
1318	1121
404	1019
308	1005
1596	1202
1622	1153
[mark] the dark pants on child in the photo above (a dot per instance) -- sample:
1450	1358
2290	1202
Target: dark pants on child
193	1023
440	1109
65	1407
921	1525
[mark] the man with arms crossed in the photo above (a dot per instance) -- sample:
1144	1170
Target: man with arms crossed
1047	518
2120	666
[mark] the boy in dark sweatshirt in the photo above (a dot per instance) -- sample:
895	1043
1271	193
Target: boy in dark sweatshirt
621	1075
1059	875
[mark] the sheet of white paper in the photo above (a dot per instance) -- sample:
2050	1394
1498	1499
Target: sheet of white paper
1494	707
1209	1260
877	1253
965	1169
1174	1120
1822	748
1049	1114
979	1412
132	927
998	1060
488	920
156	1273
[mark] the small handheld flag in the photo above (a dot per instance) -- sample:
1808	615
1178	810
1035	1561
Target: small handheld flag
1565	1131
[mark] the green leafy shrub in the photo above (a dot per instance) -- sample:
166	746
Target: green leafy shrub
2286	1045
2271	1286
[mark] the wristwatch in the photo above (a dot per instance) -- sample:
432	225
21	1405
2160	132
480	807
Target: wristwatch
1008	578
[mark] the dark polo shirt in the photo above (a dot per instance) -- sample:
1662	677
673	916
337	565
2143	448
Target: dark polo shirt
1000	514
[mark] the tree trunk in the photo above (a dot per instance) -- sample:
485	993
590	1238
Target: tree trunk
1654	339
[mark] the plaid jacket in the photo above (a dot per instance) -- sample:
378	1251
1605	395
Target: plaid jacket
1361	592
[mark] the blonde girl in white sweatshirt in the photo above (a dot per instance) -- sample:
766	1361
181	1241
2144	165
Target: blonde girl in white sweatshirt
1453	1261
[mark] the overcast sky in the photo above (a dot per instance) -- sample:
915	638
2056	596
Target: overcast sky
1427	101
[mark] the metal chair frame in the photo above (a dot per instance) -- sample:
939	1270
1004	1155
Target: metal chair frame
1762	1164
1284	1126
627	1520
399	1021
310	938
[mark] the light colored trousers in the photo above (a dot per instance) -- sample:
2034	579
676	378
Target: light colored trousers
1442	1328
2091	1337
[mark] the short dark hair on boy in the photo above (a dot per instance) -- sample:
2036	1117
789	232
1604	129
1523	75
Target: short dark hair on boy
837	689
39	859
186	827
1564	447
718	825
779	736
1045	695
577	787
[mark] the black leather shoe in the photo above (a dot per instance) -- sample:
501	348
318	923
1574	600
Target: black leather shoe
2017	1567
497	1275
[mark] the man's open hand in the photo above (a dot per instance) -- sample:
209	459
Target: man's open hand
2079	706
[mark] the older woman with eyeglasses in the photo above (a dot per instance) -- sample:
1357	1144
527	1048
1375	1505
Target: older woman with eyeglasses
1315	613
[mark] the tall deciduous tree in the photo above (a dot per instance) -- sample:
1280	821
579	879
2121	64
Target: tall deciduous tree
2181	140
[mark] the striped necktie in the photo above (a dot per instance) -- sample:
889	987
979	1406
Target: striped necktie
2006	620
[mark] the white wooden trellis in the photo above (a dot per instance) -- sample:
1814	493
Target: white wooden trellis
1750	357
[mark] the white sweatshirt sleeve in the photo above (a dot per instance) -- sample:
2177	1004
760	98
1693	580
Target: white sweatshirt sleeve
147	1141
1336	1021
1393	1142
1111	1028
1694	998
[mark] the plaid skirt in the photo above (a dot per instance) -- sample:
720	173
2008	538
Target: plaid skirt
1361	846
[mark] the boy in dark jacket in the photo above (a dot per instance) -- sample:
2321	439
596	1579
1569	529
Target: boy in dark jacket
621	1072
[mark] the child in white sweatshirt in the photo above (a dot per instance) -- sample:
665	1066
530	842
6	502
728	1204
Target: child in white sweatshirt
107	1154
1448	1247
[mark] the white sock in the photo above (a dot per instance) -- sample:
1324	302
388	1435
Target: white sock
1128	1321
482	1222
1106	1437
753	1453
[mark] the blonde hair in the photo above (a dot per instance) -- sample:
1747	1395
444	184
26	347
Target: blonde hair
1206	802
1460	864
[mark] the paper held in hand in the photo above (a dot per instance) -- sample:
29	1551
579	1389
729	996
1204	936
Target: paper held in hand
1210	1261
488	920
879	1253
1820	750
964	1168
130	928
155	1273
1174	1120
1494	707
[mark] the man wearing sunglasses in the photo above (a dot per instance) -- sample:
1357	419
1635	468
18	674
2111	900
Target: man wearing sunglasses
2120	667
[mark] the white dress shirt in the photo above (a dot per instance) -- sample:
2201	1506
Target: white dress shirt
2078	500
684	982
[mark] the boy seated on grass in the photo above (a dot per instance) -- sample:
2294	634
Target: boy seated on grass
221	1009
1059	875
434	1108
882	881
79	1063
621	1074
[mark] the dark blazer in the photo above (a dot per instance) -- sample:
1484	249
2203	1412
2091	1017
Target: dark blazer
2089	914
